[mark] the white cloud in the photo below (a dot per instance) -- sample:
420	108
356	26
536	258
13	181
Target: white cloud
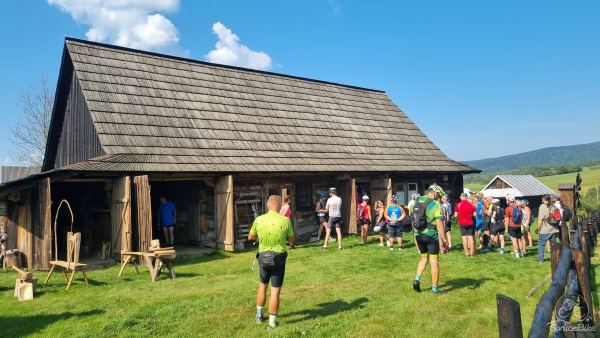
129	23
229	51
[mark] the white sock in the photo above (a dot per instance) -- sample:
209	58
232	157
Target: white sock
259	311
272	319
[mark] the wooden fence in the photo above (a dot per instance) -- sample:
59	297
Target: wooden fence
571	285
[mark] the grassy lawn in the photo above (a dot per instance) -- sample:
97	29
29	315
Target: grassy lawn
361	291
589	178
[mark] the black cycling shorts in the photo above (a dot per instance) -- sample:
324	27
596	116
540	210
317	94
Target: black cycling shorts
323	219
274	275
395	231
515	232
448	226
364	222
428	245
498	229
468	230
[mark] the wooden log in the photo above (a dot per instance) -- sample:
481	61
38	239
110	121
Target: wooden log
509	317
23	275
538	285
555	250
583	275
566	305
545	307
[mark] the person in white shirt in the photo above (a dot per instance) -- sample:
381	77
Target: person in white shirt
334	210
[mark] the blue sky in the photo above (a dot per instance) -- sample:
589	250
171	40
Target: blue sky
480	78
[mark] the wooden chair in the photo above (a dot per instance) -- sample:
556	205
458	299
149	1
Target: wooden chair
72	263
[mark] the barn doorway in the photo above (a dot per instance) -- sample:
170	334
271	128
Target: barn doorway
90	202
194	207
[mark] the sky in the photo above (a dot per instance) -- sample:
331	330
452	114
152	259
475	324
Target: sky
480	78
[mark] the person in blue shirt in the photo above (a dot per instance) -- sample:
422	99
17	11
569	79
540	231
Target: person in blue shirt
479	219
166	219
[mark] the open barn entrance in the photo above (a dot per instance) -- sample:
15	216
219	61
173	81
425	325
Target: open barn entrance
194	207
90	202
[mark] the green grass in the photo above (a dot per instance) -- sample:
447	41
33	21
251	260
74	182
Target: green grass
589	176
361	291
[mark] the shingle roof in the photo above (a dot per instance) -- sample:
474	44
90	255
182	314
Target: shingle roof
13	173
526	185
159	113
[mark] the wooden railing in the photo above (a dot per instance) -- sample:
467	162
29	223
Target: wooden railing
571	285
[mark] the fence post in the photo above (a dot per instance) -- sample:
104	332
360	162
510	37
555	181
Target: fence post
554	256
509	317
583	275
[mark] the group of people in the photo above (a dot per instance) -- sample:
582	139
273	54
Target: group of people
429	218
484	218
274	231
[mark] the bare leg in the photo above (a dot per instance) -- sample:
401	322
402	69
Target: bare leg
339	237
166	235
400	242
502	243
381	238
171	235
391	241
261	295
465	243
422	264
530	237
471	241
274	301
435	270
515	243
327	235
449	239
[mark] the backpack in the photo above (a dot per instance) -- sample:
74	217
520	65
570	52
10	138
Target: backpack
499	215
554	216
419	215
567	214
517	215
361	211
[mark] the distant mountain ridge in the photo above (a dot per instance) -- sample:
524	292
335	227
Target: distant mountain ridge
552	156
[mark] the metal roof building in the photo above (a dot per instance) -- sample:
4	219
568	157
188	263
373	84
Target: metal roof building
516	186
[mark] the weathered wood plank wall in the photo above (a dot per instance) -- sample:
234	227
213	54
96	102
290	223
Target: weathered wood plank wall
78	141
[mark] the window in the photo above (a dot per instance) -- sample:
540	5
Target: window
413	188
400	192
304	196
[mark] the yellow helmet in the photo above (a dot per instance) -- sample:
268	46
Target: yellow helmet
436	188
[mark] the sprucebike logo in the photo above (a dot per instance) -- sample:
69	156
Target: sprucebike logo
568	304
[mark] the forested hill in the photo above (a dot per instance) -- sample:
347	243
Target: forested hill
553	156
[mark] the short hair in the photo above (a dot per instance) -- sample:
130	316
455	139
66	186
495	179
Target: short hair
274	202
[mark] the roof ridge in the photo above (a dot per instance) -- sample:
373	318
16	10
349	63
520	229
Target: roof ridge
179	58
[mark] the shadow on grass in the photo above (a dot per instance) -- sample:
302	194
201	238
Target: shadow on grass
464	283
185	260
18	326
327	309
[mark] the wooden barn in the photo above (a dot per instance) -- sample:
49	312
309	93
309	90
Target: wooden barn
519	186
129	126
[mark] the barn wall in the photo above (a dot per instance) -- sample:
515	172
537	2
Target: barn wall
78	140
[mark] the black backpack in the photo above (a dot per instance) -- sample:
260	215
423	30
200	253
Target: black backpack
567	214
499	215
419	215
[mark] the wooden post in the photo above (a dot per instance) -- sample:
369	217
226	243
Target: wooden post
45	223
144	212
120	213
224	208
352	227
554	256
583	275
509	317
24	230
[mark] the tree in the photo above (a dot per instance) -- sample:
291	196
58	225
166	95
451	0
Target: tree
30	132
